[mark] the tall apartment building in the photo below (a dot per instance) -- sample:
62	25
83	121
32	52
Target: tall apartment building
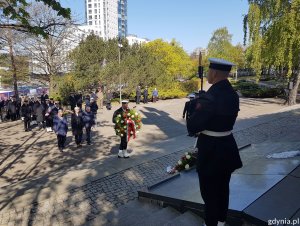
107	17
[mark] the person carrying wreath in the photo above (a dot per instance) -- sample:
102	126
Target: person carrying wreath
123	144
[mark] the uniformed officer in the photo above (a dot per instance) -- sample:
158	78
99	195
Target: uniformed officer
123	145
218	156
187	110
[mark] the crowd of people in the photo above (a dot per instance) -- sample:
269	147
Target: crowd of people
47	113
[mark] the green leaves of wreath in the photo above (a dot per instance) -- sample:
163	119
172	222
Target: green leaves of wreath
121	122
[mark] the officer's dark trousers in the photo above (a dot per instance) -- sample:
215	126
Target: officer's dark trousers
123	144
61	141
215	193
26	123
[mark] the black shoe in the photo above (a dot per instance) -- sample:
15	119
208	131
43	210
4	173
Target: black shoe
88	143
79	145
61	149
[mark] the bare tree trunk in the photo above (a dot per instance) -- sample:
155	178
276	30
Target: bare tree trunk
51	85
294	91
13	63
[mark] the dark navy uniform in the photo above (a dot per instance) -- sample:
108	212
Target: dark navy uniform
123	144
218	156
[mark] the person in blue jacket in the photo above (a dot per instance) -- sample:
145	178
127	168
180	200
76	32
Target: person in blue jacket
60	127
88	121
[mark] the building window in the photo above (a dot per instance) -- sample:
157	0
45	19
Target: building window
90	6
95	16
95	5
95	11
90	17
90	23
90	11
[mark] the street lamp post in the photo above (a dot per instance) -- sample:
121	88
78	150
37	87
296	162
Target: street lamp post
119	48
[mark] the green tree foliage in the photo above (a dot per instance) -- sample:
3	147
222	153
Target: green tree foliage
176	62
21	65
274	38
88	59
14	15
220	46
156	64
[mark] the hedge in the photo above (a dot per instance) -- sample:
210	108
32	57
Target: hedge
253	90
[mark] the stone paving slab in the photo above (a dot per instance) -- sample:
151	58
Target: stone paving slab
281	202
258	175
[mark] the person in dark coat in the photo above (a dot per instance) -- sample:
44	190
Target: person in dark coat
26	113
87	100
89	121
72	101
12	109
40	113
77	125
94	107
55	109
145	95
60	127
35	104
1	109
78	98
48	118
218	155
138	94
123	144
187	111
18	108
44	97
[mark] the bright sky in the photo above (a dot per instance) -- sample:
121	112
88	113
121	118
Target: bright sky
191	22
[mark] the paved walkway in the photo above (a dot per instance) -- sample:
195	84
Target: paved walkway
39	185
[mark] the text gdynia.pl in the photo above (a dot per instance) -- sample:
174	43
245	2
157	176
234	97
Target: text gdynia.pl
284	221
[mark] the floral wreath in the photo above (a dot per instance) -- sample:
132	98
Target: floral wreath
187	161
129	122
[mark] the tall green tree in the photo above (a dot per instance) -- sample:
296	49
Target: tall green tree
14	15
175	60
273	32
14	59
108	62
88	59
220	46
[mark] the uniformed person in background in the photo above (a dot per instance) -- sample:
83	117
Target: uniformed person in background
218	156
123	144
187	110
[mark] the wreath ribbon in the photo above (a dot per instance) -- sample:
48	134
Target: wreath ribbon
130	128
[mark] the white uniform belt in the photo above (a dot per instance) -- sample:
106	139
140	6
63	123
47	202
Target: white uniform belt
216	134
